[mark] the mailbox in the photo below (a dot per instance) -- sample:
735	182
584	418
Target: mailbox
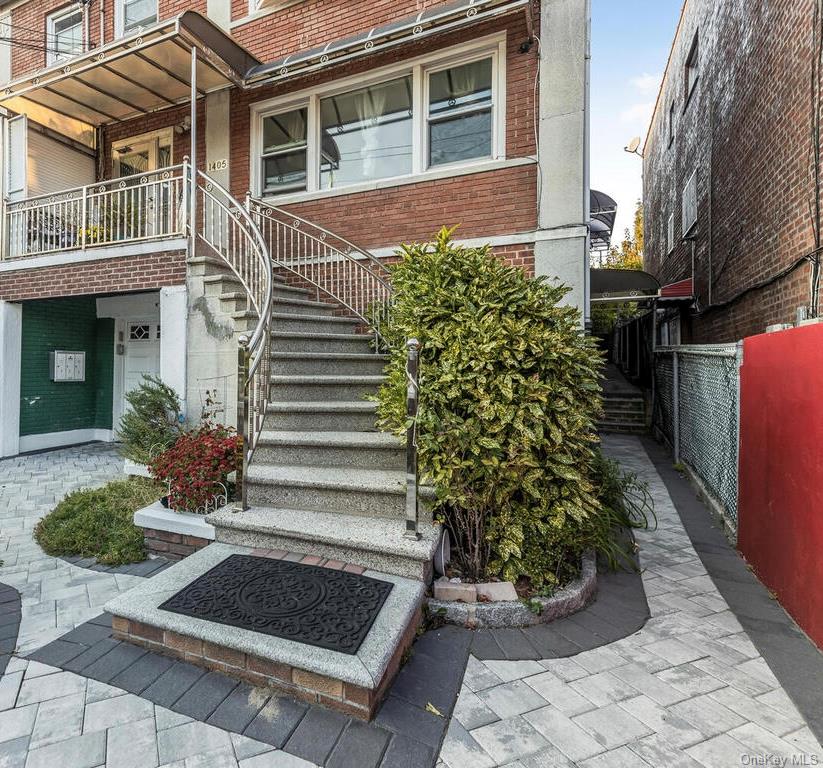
67	366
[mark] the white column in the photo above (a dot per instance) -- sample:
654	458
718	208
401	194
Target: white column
173	316
11	336
563	136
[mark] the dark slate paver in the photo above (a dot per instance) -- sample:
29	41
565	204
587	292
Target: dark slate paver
239	708
276	722
400	716
173	683
87	634
114	662
203	698
57	653
316	735
359	745
404	752
140	675
10	614
91	654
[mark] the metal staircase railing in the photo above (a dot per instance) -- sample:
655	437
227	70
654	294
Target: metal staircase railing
352	276
226	227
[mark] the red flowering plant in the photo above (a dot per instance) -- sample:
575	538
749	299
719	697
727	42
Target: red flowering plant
196	467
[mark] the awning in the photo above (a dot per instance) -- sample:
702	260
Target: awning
683	289
428	21
603	213
143	72
622	285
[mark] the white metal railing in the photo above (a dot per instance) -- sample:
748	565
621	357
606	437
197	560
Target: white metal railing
145	206
228	229
352	276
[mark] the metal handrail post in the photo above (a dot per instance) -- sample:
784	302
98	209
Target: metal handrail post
242	415
412	403
84	215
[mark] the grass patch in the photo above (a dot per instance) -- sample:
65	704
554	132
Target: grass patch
98	522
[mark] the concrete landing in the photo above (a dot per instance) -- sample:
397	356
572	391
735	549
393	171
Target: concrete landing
353	683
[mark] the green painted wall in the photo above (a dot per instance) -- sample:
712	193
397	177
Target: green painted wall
69	324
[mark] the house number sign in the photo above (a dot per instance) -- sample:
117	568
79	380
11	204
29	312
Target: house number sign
218	165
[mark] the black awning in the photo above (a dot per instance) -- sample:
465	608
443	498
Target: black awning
427	21
603	213
622	285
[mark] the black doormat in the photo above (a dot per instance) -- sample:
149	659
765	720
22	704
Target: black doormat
305	603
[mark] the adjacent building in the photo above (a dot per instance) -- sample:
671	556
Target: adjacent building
372	123
732	169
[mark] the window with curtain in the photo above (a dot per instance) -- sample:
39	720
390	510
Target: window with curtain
138	13
366	134
284	151
460	113
65	37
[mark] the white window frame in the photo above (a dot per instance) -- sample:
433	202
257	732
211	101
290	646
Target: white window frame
120	17
492	46
689	212
670	244
52	57
143	138
692	69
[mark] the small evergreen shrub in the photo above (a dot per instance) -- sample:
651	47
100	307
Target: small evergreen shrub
509	395
98	522
152	423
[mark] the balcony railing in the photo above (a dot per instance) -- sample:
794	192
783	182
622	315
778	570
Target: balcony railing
145	206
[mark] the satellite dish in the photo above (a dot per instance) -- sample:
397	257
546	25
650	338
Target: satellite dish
633	144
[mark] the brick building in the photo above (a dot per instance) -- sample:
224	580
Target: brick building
731	168
374	122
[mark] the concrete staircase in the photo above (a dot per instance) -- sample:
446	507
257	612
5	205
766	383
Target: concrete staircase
623	414
323	480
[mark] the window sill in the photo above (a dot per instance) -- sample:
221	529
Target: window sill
442	172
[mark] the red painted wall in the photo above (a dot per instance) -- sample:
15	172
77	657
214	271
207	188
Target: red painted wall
780	502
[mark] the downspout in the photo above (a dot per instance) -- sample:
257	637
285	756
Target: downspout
587	319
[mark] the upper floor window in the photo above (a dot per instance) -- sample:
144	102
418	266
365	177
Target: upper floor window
670	130
692	67
670	234
421	115
135	14
65	34
690	203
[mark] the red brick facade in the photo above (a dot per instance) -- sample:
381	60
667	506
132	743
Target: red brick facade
121	275
747	130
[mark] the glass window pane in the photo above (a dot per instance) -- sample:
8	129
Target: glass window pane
285	130
68	35
366	134
139	13
460	87
463	137
285	172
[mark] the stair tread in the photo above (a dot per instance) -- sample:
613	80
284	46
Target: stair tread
309	378
344	478
373	534
338	406
315	318
329	356
331	439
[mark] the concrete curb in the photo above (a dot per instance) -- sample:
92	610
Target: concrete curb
515	613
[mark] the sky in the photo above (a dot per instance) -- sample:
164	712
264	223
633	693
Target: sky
630	45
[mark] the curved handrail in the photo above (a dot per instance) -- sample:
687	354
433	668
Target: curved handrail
230	231
353	276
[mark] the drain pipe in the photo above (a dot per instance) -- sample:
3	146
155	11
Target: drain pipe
587	213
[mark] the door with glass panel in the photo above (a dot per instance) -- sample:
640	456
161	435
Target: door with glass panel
140	204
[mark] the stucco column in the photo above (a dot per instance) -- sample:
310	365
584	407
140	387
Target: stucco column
11	336
218	133
561	250
173	347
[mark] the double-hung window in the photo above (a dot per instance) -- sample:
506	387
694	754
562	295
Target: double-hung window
419	117
64	34
460	120
136	14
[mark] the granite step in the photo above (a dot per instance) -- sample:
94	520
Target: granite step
343	416
307	341
375	543
351	491
328	363
288	321
362	450
323	388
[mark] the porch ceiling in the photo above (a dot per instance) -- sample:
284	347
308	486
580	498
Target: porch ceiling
141	73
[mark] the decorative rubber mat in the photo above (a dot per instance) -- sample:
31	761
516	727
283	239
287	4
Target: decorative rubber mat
305	603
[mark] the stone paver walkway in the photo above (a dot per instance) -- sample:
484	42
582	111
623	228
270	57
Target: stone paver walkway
689	689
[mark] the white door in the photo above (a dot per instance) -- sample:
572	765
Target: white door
142	354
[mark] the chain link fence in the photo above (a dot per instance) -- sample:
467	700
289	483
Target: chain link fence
696	411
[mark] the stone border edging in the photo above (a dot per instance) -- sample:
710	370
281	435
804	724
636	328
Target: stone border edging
516	613
10	615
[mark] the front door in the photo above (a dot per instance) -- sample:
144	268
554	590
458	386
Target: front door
142	353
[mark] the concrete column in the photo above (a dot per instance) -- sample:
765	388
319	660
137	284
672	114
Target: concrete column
217	136
173	320
11	336
563	211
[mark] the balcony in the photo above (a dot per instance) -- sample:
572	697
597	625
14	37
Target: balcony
144	207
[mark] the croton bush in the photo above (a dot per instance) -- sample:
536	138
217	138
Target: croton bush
196	467
509	396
